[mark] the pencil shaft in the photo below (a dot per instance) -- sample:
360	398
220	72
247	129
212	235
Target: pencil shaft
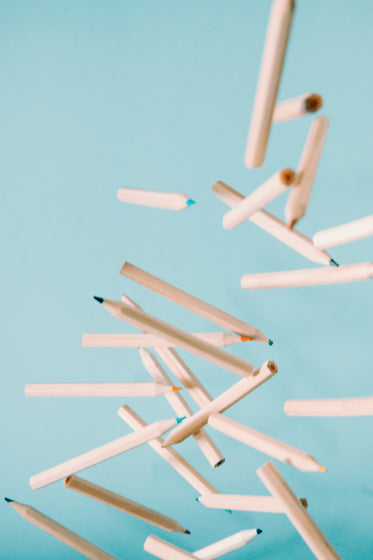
241	502
143	340
297	107
190	302
165	550
96	389
358	229
358	406
269	80
157	199
217	549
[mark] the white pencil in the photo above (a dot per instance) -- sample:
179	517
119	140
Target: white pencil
157	199
224	401
123	504
308	277
357	406
189	473
266	444
102	453
269	190
181	408
297	107
217	549
275	227
296	513
165	550
177	337
358	229
143	340
241	502
299	195
98	389
59	532
269	80
192	303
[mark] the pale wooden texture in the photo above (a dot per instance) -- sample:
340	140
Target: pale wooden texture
242	502
357	406
296	513
299	195
217	549
165	550
268	191
221	403
345	233
96	389
297	107
274	226
269	80
179	338
117	501
60	532
143	340
156	199
308	277
189	473
101	453
192	303
266	444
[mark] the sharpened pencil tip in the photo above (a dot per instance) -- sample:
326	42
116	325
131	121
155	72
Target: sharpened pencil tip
190	202
258	531
322	469
228	510
245	338
292	224
270	342
187	532
332	262
8	500
176	388
178	420
99	299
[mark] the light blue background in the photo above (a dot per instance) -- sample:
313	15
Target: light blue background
99	95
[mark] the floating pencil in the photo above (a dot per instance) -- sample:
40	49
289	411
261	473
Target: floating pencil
189	473
241	502
297	107
165	550
266	444
272	188
357	406
123	504
299	195
143	340
157	199
192	303
222	402
181	408
217	549
97	389
60	532
102	453
275	227
177	337
345	233
269	80
308	277
296	513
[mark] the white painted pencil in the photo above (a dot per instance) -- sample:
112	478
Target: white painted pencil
177	337
157	199
143	340
269	190
60	532
299	195
296	513
297	107
192	303
217	549
357	406
224	401
241	502
202	438
358	229
266	444
274	226
98	389
102	453
308	277
189	473
165	550
269	80
117	501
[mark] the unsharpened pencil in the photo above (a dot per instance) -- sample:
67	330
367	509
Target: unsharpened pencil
241	502
355	406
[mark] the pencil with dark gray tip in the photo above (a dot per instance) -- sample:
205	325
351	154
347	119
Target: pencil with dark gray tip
192	303
353	406
59	532
98	389
297	107
156	199
241	502
144	340
117	501
217	549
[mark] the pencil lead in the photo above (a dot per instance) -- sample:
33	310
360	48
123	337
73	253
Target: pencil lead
245	338
176	388
180	419
258	531
228	510
99	299
219	463
8	500
270	342
332	262
322	469
187	532
197	500
189	202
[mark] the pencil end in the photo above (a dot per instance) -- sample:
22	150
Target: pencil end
258	531
219	463
270	342
8	500
332	262
176	388
187	532
322	469
190	202
99	299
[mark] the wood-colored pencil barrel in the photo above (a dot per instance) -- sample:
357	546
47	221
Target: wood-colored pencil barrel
345	233
97	389
165	550
268	191
143	340
217	549
308	277
296	513
156	199
269	80
126	505
241	502
357	406
297	107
